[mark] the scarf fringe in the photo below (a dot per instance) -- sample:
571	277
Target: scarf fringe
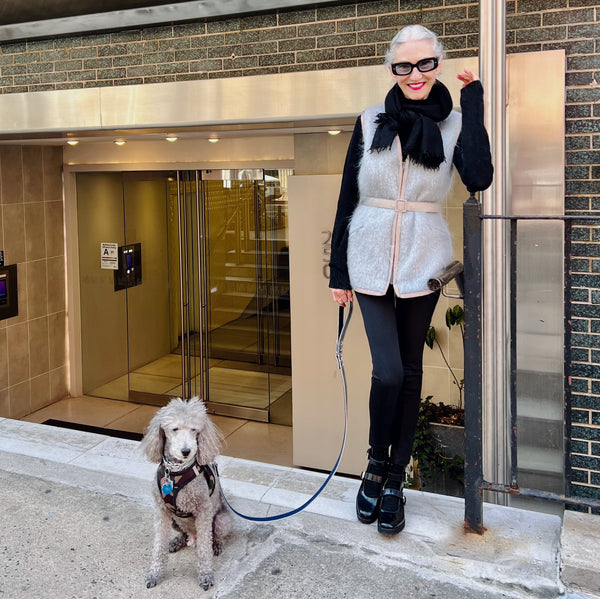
415	123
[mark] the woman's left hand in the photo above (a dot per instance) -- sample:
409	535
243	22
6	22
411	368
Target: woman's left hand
467	77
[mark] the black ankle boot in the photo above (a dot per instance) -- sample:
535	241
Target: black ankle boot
368	498
391	511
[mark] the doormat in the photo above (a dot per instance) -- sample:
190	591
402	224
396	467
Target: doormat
110	432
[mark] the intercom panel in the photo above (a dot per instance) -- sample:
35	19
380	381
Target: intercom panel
9	300
129	271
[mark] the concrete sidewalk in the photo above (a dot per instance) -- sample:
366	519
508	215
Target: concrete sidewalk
77	522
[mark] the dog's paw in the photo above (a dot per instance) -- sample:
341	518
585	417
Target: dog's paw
151	581
206	580
177	543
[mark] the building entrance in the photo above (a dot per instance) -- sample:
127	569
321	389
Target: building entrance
198	304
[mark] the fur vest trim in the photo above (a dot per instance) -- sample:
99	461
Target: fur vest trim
400	245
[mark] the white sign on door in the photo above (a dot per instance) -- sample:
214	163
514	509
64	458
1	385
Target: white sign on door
109	255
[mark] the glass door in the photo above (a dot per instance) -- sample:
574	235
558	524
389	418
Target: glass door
164	314
199	302
153	359
247	304
140	317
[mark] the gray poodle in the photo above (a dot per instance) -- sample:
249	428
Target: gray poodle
182	439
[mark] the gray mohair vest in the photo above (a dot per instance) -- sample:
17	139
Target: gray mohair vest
404	244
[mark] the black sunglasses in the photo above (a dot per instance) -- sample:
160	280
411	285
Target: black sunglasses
401	69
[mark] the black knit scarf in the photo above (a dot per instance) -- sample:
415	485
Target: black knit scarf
415	122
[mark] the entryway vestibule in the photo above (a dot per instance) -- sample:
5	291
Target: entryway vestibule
199	302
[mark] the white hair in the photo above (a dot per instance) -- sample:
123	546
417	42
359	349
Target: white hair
413	33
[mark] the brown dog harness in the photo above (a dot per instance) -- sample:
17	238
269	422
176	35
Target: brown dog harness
169	484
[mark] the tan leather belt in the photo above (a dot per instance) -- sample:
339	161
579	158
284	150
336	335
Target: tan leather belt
401	205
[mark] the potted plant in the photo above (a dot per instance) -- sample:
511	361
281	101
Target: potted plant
438	451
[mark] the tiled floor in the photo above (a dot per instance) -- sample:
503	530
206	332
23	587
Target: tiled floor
227	384
270	443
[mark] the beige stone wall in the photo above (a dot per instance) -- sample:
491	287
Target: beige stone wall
33	366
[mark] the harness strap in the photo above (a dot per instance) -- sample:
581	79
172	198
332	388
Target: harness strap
400	205
342	327
169	487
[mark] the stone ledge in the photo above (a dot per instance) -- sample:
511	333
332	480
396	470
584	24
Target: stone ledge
580	558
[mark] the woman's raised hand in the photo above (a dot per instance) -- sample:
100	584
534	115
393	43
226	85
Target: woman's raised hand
467	77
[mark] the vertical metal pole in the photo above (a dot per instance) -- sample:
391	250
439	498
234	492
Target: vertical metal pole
188	283
200	273
568	237
495	310
205	285
182	305
260	241
472	347
513	353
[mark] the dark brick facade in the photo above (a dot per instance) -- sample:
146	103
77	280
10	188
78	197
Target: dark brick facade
353	34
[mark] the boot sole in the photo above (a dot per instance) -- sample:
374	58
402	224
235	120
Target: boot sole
389	532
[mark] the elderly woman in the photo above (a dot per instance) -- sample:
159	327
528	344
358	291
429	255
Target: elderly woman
390	237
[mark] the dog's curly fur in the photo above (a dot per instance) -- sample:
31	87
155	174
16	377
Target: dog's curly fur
178	432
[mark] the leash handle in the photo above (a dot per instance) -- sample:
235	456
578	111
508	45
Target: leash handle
342	328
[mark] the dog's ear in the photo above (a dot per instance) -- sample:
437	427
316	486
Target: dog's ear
154	441
209	440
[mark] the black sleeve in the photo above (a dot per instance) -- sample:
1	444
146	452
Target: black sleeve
347	201
472	156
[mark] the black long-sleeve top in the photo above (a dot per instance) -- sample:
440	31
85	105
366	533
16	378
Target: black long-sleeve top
472	159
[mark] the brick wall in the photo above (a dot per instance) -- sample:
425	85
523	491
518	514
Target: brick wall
347	35
354	34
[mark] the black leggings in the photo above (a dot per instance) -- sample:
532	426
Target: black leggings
396	330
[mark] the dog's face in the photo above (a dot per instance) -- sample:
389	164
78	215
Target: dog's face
181	443
180	432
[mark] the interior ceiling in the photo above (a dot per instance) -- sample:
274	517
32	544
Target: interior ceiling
198	132
23	11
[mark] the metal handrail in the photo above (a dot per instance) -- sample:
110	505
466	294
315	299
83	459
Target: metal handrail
474	481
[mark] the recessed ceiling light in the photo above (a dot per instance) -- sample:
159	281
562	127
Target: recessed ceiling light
120	142
171	138
72	142
334	132
213	140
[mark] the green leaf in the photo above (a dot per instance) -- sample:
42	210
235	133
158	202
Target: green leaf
430	337
449	318
458	314
454	316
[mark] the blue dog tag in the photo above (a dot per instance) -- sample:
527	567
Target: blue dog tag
166	486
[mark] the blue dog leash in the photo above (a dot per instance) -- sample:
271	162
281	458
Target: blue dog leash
342	327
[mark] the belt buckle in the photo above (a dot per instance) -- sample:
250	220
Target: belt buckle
401	206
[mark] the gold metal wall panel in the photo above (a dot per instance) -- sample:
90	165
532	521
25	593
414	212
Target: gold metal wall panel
264	98
61	110
536	133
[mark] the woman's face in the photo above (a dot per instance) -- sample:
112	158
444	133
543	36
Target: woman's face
416	85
